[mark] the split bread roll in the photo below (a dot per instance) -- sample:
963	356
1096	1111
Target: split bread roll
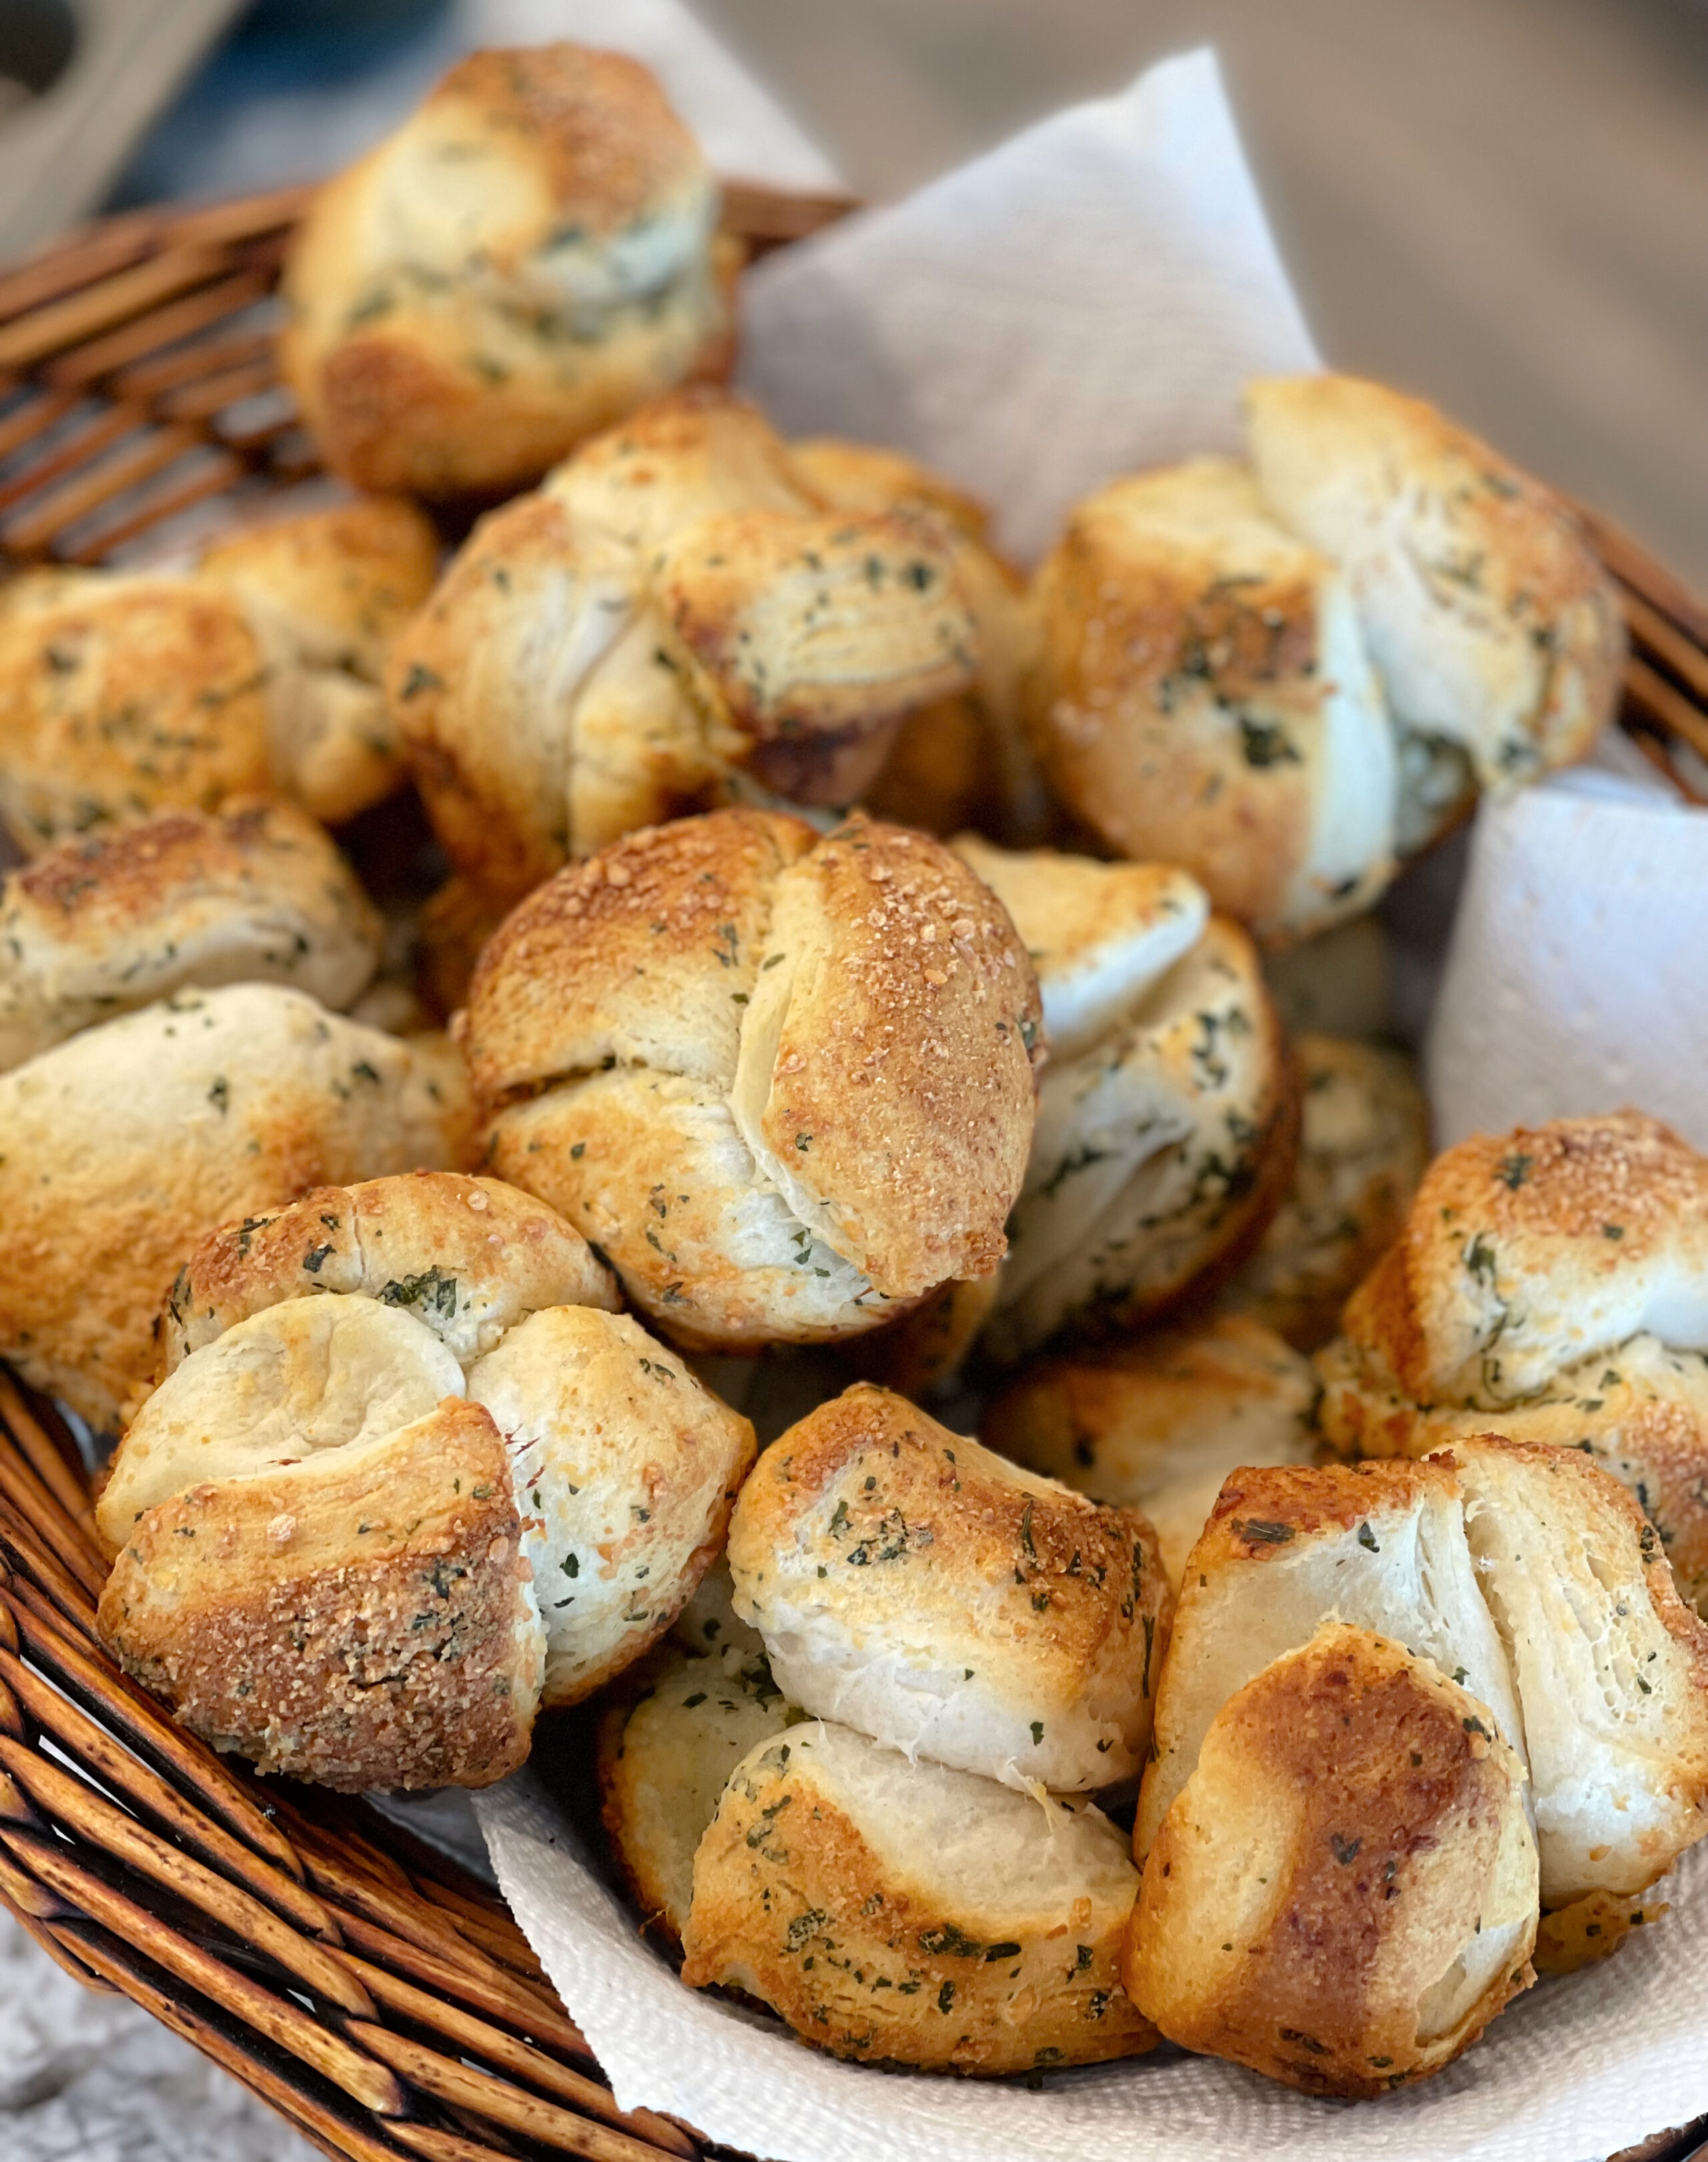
1379	1547
912	1915
123	1146
125	692
664	1759
1166	1112
914	1586
1492	624
1204	697
1287	674
1525	1573
1344	1893
782	1081
1156	1423
285	1446
1364	1143
255	893
674	618
529	256
1551	1284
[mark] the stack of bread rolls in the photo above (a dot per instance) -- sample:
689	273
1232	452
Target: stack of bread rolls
862	965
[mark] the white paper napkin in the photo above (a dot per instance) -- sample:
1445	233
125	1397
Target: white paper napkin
1577	977
1090	298
1086	300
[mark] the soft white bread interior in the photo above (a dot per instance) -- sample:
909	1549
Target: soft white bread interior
1380	1547
910	1915
915	1586
665	1757
110	921
1157	1423
1343	1895
311	1374
1610	1666
626	1468
1491	622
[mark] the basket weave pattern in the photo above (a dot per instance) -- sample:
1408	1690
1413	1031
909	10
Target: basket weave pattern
383	2002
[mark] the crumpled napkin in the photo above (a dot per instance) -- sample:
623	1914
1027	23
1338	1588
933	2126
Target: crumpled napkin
1090	298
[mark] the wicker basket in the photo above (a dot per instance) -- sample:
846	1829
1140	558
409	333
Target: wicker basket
383	2002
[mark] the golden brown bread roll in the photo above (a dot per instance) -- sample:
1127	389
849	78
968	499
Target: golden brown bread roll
1286	675
909	1915
1492	624
664	1758
1549	1283
1204	696
910	1585
965	761
1157	1423
674	616
468	1257
528	257
122	693
97	926
364	1616
781	1082
123	1147
1166	1112
1525	1572
1344	1895
1381	1547
1363	1141
608	1474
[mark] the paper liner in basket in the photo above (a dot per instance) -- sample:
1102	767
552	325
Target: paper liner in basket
1090	299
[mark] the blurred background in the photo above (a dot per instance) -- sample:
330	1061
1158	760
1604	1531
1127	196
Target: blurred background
1500	203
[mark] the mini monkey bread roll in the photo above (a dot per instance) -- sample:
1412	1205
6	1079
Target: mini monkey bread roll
1550	1284
122	693
123	1146
1157	1423
529	256
1344	1893
909	1915
112	920
783	1082
674	618
910	1585
308	1585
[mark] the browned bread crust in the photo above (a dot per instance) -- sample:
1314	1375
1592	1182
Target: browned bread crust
1344	1895
469	1257
748	1062
361	1618
450	340
99	925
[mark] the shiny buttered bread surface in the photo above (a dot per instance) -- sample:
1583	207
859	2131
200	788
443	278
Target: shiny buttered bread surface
1285	675
124	692
363	1532
679	614
1550	1284
529	256
113	920
783	1082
